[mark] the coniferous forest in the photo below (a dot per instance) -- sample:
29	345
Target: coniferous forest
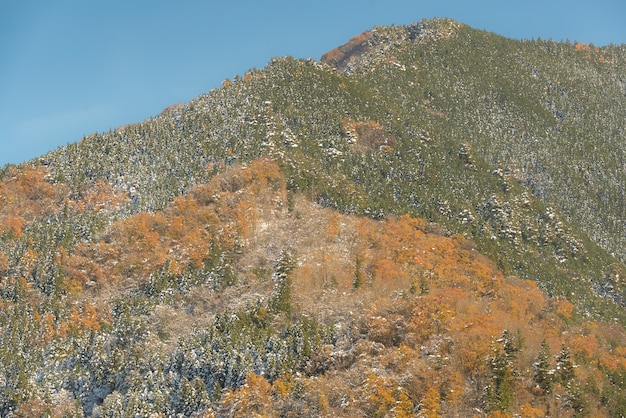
428	221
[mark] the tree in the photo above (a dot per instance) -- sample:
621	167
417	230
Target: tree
280	300
431	404
254	398
544	374
358	273
564	367
192	396
15	224
499	390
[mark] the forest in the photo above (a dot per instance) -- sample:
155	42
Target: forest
428	221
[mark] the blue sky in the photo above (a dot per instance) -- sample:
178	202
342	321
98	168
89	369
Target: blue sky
69	68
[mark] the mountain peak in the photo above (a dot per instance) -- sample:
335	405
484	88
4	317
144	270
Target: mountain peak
365	49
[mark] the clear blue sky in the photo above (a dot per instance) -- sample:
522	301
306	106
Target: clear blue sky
72	67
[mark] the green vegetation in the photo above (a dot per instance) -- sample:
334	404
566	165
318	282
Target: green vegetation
173	266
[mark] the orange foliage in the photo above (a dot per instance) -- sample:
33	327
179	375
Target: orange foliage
586	345
14	224
499	414
102	196
224	209
431	404
581	47
403	239
529	411
82	319
254	398
431	316
283	386
140	235
78	269
563	307
34	186
461	305
27	194
381	396
338	55
401	248
385	271
332	227
613	359
368	135
4	262
520	299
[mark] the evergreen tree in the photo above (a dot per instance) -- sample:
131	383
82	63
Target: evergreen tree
499	390
280	300
564	367
544	374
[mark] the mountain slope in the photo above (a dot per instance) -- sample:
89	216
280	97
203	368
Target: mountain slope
316	233
476	121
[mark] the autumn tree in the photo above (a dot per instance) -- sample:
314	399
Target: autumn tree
254	398
14	224
380	394
431	404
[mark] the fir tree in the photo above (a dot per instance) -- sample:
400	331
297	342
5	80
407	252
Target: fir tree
544	374
564	367
280	300
499	390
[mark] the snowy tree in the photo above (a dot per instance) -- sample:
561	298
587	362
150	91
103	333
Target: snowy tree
543	372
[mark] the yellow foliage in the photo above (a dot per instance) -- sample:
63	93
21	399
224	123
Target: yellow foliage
529	411
254	398
380	395
499	414
431	404
281	386
404	407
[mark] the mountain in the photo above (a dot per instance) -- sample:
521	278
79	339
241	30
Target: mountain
429	220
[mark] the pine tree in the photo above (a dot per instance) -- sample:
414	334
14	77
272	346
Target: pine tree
564	367
499	390
280	300
544	374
